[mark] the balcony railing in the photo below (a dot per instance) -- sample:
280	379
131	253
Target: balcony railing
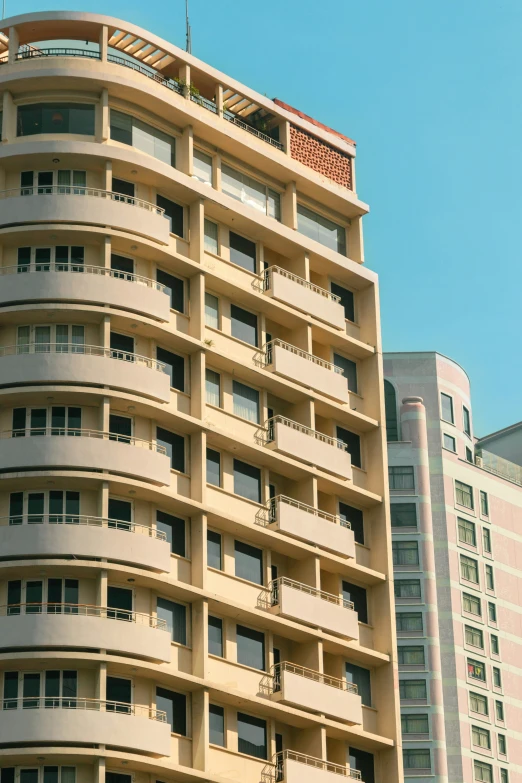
499	466
82	520
265	356
79	433
270	595
70	190
84	610
276	770
80	268
80	703
277	270
269	430
171	84
268	514
84	350
205	102
233	118
271	683
57	51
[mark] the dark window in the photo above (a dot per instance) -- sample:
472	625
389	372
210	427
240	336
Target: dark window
213	467
349	370
362	761
357	595
124	267
401	477
175	445
390	404
251	736
24	258
175	616
117	777
120	428
417	758
352	443
247	481
173	213
413	689
55	118
174	529
243	252
249	562
16	508
405	553
214	550
403	515
409	621
123	187
215	636
10	690
175	705
347	300
414	724
176	289
119	600
411	656
7	774
446	407
121	344
216	725
467	420
360	677
355	517
407	588
244	325
175	367
250	647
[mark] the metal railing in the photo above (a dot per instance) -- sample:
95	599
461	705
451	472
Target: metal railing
84	350
82	520
81	703
80	268
81	433
171	84
268	427
499	466
271	683
269	513
80	190
266	355
31	54
205	102
270	595
84	610
267	280
276	770
235	120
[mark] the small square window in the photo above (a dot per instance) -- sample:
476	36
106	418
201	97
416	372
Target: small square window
449	443
446	407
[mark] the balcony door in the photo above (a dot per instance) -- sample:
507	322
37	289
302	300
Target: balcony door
119	694
119	603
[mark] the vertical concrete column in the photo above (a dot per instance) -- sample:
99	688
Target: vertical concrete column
104	43
184	150
105	412
197	228
8	117
197	385
106	331
289	206
216	173
219	99
108	175
102	588
101	682
199	638
284	136
198	542
198	461
14	44
197	306
184	75
103	501
99	770
106	252
414	429
300	265
103	130
354	237
200	729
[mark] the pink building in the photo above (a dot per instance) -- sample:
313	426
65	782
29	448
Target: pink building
456	510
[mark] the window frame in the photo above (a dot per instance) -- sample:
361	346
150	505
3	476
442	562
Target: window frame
452	407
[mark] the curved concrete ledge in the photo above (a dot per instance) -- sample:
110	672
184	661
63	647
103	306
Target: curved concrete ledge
81	631
97	727
90	453
95	210
85	287
96	541
83	368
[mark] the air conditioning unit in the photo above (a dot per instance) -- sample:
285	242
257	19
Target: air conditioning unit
478	462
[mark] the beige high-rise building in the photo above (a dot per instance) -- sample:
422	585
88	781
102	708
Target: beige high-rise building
195	551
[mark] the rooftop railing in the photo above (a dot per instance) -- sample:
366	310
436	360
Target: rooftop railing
84	610
499	466
235	120
84	350
82	520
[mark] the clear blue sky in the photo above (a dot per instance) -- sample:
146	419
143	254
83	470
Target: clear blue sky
432	92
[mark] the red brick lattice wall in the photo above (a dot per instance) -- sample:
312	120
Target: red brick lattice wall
320	157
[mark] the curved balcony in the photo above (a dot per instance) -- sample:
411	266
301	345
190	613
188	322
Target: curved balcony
61	721
90	206
55	449
85	365
297	292
299	442
55	282
54	535
84	626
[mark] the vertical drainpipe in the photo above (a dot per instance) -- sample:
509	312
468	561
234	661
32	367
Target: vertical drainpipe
414	429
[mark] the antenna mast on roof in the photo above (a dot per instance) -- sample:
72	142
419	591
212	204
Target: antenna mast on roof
189	31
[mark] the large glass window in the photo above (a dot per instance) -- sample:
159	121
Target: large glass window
250	647
175	446
249	562
174	529
349	370
246	401
174	214
356	519
211	311
37	118
347	300
211	234
360	677
243	252
409	621
175	616
482	772
476	670
474	637
358	597
324	231
251	736
401	477
175	705
352	441
202	167
247	481
243	325
175	367
130	130
213	388
176	289
250	192
464	494
405	553
471	604
403	515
